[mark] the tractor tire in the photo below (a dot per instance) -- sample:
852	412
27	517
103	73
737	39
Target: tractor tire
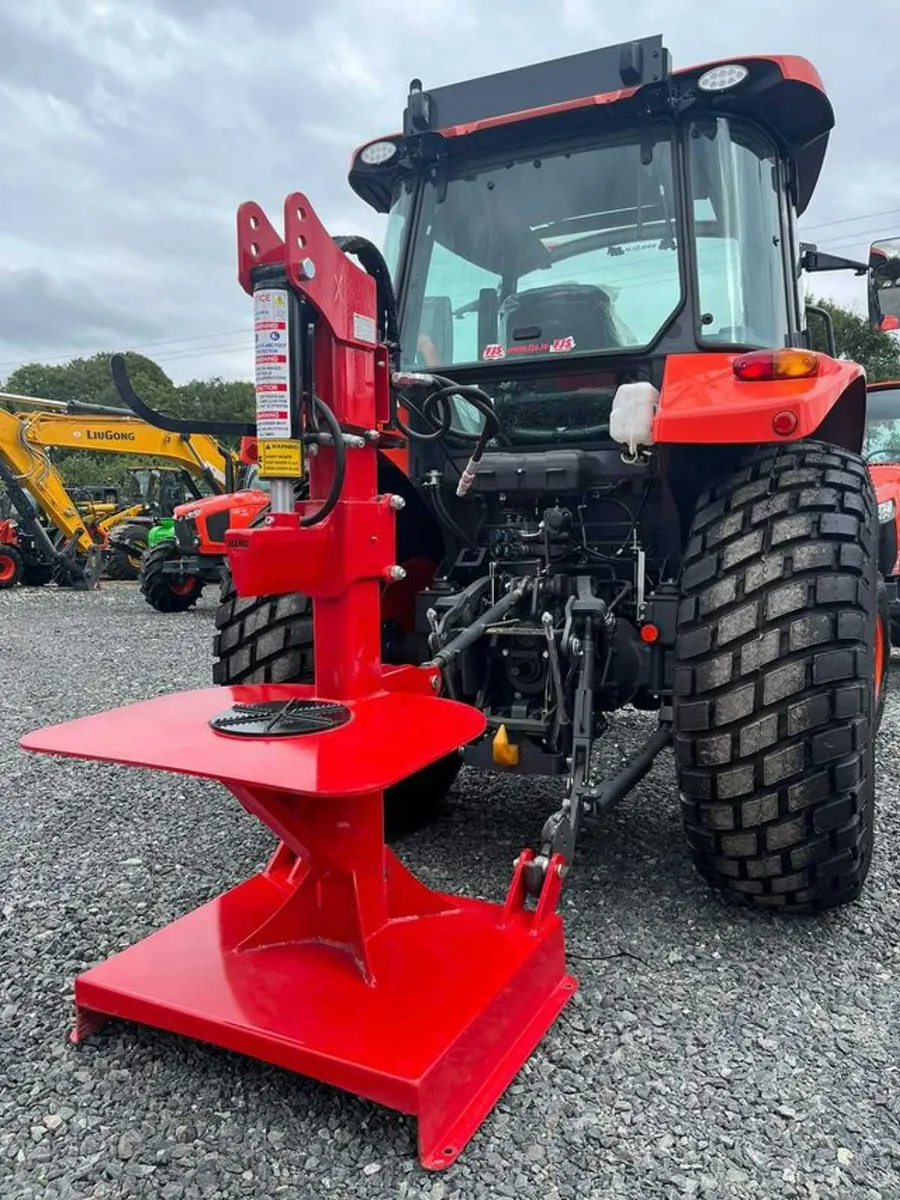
167	593
36	574
781	658
269	639
11	566
123	562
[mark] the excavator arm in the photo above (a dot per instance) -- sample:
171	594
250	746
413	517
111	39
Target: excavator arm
33	470
25	467
197	453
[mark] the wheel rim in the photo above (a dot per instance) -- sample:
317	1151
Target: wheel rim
879	657
182	587
7	568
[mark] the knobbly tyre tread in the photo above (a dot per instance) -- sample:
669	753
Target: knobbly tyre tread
262	639
774	695
118	565
18	566
155	585
269	639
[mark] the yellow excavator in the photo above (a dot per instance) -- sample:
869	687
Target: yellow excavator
52	535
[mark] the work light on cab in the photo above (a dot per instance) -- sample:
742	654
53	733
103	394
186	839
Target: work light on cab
378	154
720	79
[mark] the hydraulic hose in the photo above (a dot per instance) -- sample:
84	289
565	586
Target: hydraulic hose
123	384
340	466
439	399
374	264
446	518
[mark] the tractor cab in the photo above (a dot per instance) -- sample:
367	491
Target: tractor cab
884	285
882	446
882	453
558	230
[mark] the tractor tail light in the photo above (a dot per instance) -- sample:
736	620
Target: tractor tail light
776	364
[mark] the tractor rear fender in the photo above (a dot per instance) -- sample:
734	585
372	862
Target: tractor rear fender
707	418
702	403
418	533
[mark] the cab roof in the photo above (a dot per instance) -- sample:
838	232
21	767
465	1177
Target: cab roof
785	94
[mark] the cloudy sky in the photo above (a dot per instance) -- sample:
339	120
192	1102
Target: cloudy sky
131	129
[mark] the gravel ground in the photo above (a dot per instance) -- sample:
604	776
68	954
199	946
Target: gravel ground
709	1053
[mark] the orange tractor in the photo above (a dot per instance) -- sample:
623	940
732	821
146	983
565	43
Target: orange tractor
628	481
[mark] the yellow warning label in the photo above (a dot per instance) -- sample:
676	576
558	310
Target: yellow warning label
282	459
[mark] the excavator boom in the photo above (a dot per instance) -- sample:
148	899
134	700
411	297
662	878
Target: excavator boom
25	464
197	453
36	425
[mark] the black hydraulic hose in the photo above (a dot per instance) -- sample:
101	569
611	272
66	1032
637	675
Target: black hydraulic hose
438	432
447	518
340	466
119	369
439	398
374	264
490	428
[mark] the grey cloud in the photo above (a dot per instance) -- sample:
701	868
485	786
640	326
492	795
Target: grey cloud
31	298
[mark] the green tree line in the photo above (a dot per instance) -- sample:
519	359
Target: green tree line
89	380
855	340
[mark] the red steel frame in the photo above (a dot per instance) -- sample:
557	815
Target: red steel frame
334	961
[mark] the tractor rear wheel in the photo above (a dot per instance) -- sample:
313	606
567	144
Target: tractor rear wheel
11	566
162	590
269	639
781	660
123	560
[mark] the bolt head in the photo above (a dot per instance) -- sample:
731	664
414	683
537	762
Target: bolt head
395	574
435	683
307	269
397	502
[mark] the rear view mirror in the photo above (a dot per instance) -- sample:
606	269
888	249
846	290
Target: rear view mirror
436	331
884	284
